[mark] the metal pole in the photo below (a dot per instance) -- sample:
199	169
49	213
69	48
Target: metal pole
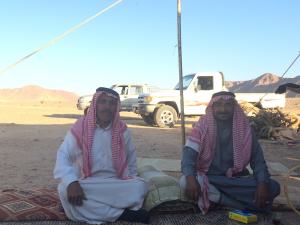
180	72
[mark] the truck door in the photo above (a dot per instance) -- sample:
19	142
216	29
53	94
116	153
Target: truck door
132	97
123	92
199	96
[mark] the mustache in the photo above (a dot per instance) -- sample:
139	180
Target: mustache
105	111
222	113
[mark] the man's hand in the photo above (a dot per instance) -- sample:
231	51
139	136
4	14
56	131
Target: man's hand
75	194
262	195
192	190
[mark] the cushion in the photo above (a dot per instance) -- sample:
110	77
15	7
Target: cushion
164	194
39	204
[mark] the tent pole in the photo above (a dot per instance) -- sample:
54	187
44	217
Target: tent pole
180	72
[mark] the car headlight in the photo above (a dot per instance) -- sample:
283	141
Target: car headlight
148	99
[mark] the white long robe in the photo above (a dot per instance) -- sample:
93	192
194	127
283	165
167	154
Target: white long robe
107	195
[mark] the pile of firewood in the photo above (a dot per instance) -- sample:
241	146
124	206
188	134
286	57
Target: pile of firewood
273	123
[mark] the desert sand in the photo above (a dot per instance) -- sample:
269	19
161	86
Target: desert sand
31	133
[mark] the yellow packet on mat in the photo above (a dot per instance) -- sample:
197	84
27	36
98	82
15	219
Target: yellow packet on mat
243	216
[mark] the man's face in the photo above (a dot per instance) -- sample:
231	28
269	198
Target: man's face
223	109
106	109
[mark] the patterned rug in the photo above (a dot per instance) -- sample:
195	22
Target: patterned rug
42	207
44	204
40	204
212	218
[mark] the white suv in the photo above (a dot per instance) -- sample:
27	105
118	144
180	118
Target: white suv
128	94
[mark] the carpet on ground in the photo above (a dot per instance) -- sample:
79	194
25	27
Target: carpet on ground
42	207
165	201
44	204
164	196
212	218
30	205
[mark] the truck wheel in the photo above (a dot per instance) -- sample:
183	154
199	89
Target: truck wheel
148	119
165	116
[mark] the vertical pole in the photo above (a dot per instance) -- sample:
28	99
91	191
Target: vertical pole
180	72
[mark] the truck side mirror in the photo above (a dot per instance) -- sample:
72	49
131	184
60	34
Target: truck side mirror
197	87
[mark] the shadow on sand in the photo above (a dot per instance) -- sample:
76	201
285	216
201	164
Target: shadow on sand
67	116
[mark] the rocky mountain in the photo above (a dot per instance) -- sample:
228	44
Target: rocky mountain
35	94
265	83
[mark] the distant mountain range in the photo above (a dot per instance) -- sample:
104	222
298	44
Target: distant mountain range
265	83
33	93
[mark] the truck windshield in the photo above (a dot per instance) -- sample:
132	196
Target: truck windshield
186	80
121	90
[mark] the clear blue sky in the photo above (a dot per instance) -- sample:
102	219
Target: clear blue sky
136	41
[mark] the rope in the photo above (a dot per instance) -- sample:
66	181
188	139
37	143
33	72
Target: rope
60	37
280	77
285	189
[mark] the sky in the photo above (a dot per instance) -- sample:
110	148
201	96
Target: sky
136	41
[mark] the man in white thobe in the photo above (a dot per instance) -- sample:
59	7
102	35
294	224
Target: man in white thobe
96	165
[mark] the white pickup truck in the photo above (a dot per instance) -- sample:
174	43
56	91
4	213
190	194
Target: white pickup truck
163	108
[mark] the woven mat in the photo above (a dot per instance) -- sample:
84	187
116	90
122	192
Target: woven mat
40	204
212	218
42	207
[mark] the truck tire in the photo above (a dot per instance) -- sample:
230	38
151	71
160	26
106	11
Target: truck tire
148	119
165	116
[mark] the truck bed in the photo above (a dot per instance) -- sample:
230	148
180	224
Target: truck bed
268	100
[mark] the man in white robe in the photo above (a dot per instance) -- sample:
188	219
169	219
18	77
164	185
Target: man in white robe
96	165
